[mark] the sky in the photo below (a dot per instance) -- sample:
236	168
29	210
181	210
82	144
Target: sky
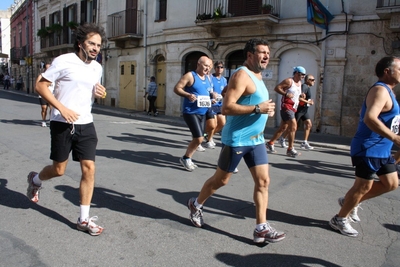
5	4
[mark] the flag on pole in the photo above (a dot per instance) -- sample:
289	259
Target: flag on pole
317	14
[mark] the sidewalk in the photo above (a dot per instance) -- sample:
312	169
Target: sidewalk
316	139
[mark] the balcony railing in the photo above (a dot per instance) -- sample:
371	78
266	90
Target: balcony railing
124	23
387	3
18	53
214	9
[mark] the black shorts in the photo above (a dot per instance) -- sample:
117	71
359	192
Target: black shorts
230	157
43	102
302	114
80	139
367	167
287	115
196	124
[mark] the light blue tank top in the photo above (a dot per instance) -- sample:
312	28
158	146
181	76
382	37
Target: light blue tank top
247	130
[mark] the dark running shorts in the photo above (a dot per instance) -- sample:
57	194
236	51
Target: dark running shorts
196	124
367	167
43	102
80	139
230	157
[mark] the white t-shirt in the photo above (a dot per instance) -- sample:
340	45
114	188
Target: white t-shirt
74	83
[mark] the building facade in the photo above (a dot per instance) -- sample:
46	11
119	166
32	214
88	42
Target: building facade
4	40
164	38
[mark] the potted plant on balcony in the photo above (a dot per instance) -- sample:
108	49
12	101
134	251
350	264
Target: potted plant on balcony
42	33
218	13
72	25
57	28
266	9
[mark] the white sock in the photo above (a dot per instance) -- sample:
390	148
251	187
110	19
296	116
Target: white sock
36	180
84	212
197	205
261	226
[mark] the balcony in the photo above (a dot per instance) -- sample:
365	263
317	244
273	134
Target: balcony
17	54
386	9
124	28
215	15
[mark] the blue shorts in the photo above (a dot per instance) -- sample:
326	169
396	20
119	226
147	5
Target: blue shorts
367	167
230	157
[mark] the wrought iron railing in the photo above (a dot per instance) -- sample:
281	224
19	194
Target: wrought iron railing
212	9
387	3
124	23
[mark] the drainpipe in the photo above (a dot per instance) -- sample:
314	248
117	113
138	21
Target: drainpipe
145	49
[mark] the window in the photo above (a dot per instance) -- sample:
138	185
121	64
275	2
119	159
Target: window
88	11
161	10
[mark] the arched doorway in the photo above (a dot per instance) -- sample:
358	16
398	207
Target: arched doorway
160	80
235	60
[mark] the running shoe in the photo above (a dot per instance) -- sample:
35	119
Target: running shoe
268	234
235	170
343	226
33	190
270	147
306	145
353	213
292	153
209	144
282	141
188	164
89	226
200	149
44	124
196	215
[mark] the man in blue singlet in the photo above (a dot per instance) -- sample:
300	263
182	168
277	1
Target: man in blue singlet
195	88
246	106
370	149
215	121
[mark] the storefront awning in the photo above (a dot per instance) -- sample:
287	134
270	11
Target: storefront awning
3	55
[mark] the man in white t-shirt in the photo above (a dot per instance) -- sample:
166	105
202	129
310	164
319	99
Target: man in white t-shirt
76	77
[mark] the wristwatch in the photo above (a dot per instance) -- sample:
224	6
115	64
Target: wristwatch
257	109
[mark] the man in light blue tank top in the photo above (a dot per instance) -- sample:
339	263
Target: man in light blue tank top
246	106
378	129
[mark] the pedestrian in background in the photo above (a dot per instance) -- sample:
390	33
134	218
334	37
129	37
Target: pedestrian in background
151	93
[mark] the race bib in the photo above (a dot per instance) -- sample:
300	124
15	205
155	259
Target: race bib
203	101
394	127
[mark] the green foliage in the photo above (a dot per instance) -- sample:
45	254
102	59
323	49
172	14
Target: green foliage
42	33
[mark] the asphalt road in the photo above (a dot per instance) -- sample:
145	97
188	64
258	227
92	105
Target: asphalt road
141	193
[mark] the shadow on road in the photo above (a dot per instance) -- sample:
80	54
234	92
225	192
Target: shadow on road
270	259
16	200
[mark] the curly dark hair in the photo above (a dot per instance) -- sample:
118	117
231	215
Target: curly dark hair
83	32
251	45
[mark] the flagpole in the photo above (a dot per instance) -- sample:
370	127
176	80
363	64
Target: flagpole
315	32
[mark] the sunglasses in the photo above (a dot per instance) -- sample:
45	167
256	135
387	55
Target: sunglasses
312	80
219	67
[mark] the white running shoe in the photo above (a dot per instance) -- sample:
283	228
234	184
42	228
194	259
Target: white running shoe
306	145
209	145
188	164
200	148
44	124
353	213
282	141
343	226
